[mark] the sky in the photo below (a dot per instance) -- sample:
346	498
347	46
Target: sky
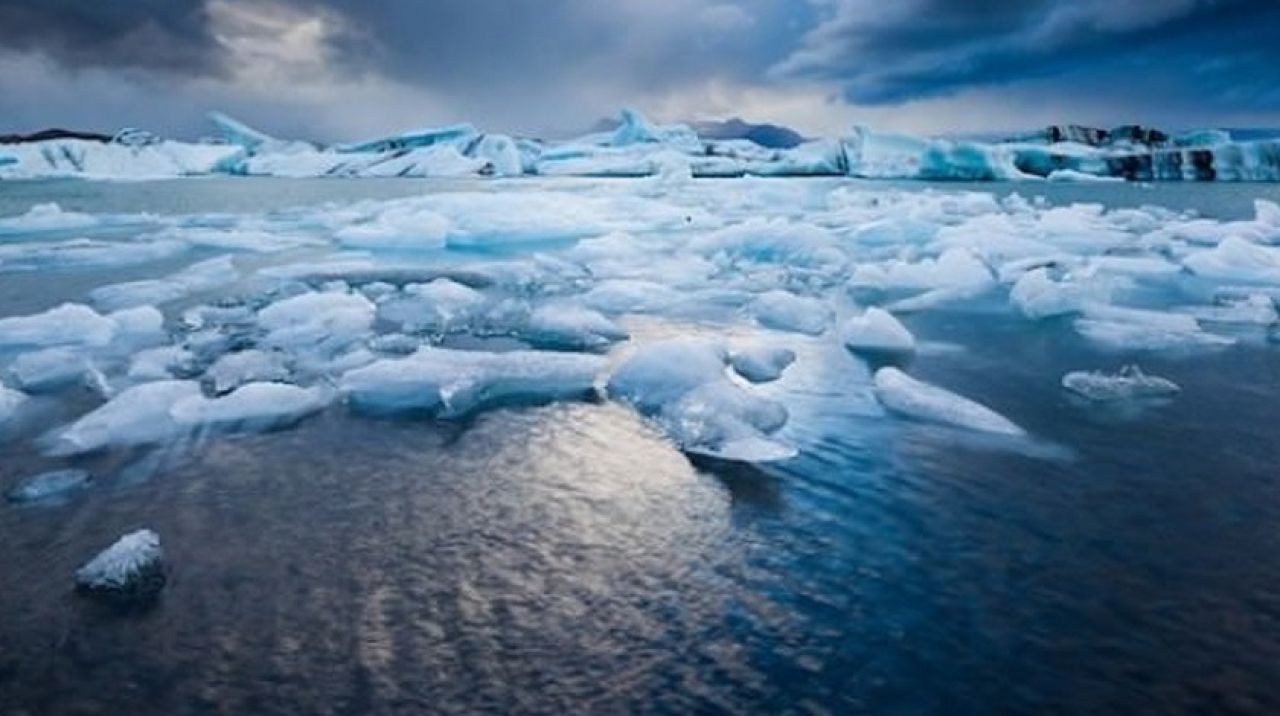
343	69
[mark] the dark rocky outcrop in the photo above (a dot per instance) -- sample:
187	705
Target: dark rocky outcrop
46	135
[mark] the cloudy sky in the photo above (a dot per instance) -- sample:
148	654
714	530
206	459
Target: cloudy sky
337	69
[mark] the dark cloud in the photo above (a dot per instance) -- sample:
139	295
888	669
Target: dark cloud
170	35
1221	50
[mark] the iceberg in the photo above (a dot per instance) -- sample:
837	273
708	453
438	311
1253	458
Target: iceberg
902	394
131	569
1127	384
683	387
48	369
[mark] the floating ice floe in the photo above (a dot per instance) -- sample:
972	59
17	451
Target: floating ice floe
232	370
48	486
1237	260
1257	309
452	383
250	407
131	568
683	387
902	394
1127	384
876	331
136	416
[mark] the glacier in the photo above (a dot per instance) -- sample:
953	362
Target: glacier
639	147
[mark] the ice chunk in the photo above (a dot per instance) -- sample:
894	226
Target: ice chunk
160	363
235	369
46	217
683	386
440	305
129	569
630	296
877	331
1038	296
48	485
399	226
1129	383
786	311
202	276
252	406
761	364
955	268
900	393
320	321
1256	309
67	324
1120	335
571	326
1237	260
137	416
454	382
48	369
137	327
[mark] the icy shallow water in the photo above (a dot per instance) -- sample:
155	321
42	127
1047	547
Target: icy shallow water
566	556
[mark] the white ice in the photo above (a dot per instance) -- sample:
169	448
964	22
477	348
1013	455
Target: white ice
684	387
452	383
1127	384
902	394
48	485
876	330
120	566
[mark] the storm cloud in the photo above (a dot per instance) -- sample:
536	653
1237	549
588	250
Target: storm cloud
334	68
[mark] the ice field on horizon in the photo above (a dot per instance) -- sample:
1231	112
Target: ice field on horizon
639	147
705	306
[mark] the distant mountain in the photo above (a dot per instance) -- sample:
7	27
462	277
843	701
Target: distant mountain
773	136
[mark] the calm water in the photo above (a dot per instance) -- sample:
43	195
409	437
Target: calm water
566	559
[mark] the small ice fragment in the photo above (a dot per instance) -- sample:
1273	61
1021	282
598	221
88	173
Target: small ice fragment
786	311
900	393
1256	309
877	331
761	364
1129	383
47	485
129	569
48	369
1119	335
67	324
